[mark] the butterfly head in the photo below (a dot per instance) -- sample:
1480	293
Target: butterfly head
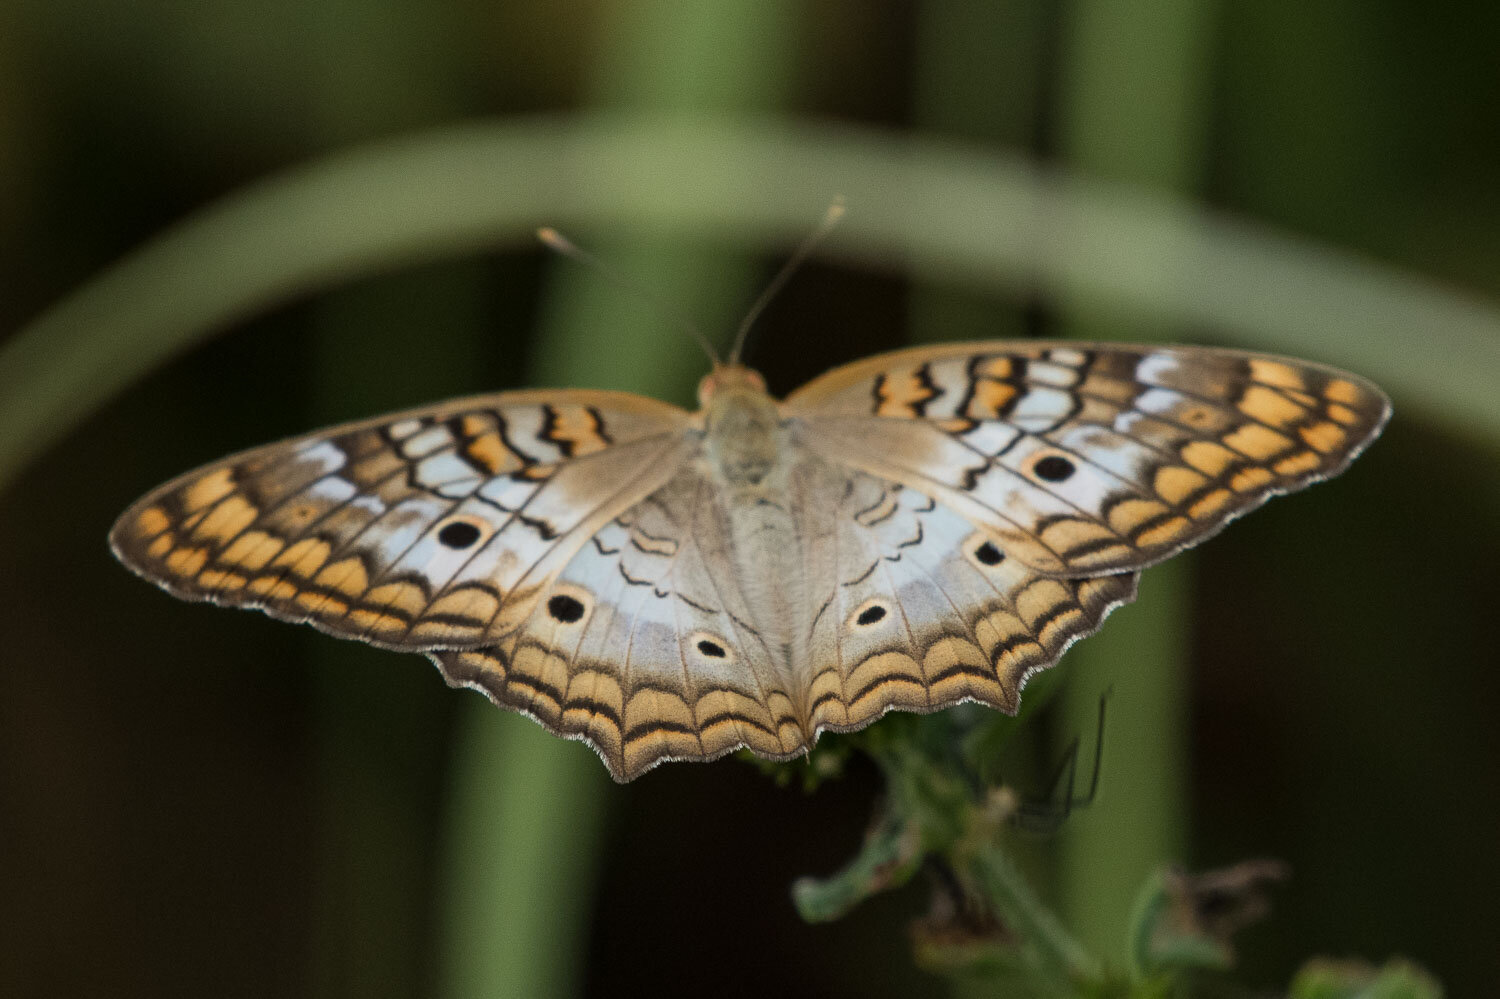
729	379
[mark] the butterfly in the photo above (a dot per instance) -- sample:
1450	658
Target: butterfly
909	531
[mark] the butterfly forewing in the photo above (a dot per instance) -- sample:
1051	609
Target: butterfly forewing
1087	459
424	529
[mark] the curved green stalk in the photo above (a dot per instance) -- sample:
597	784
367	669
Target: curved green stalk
969	216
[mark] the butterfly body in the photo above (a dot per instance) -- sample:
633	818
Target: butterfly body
906	532
761	474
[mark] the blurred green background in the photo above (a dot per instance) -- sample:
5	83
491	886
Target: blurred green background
194	802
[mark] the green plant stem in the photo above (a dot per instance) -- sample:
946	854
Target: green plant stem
527	807
1150	902
1061	957
1138	821
934	807
370	843
519	859
1133	91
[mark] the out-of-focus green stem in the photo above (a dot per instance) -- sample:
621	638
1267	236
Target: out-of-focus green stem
369	844
1133	92
519	860
1061	958
527	808
1139	819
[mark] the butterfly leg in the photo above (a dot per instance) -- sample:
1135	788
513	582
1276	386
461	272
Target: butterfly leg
1046	816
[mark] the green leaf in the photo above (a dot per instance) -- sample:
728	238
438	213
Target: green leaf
891	854
1323	978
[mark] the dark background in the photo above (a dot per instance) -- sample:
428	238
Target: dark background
194	802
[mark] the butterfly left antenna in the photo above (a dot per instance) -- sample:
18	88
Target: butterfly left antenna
556	242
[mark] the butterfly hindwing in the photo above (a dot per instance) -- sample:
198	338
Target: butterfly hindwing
926	612
420	530
644	646
648	647
1088	459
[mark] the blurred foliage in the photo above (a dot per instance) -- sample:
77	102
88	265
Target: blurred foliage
944	810
193	802
1354	980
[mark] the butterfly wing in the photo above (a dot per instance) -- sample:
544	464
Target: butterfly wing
652	646
951	518
644	645
432	528
1084	459
923	611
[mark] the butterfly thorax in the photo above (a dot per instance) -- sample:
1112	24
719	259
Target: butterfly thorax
742	432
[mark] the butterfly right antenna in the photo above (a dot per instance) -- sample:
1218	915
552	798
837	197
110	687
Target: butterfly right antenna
830	219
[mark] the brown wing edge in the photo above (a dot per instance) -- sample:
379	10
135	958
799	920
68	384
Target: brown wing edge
625	753
486	671
806	397
1012	663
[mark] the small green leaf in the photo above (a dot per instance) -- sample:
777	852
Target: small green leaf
891	854
1323	978
1183	922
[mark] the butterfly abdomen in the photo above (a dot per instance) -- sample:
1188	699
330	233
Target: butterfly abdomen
751	459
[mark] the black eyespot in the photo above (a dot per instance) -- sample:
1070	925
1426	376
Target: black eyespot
713	649
870	615
989	554
564	608
1053	468
458	534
